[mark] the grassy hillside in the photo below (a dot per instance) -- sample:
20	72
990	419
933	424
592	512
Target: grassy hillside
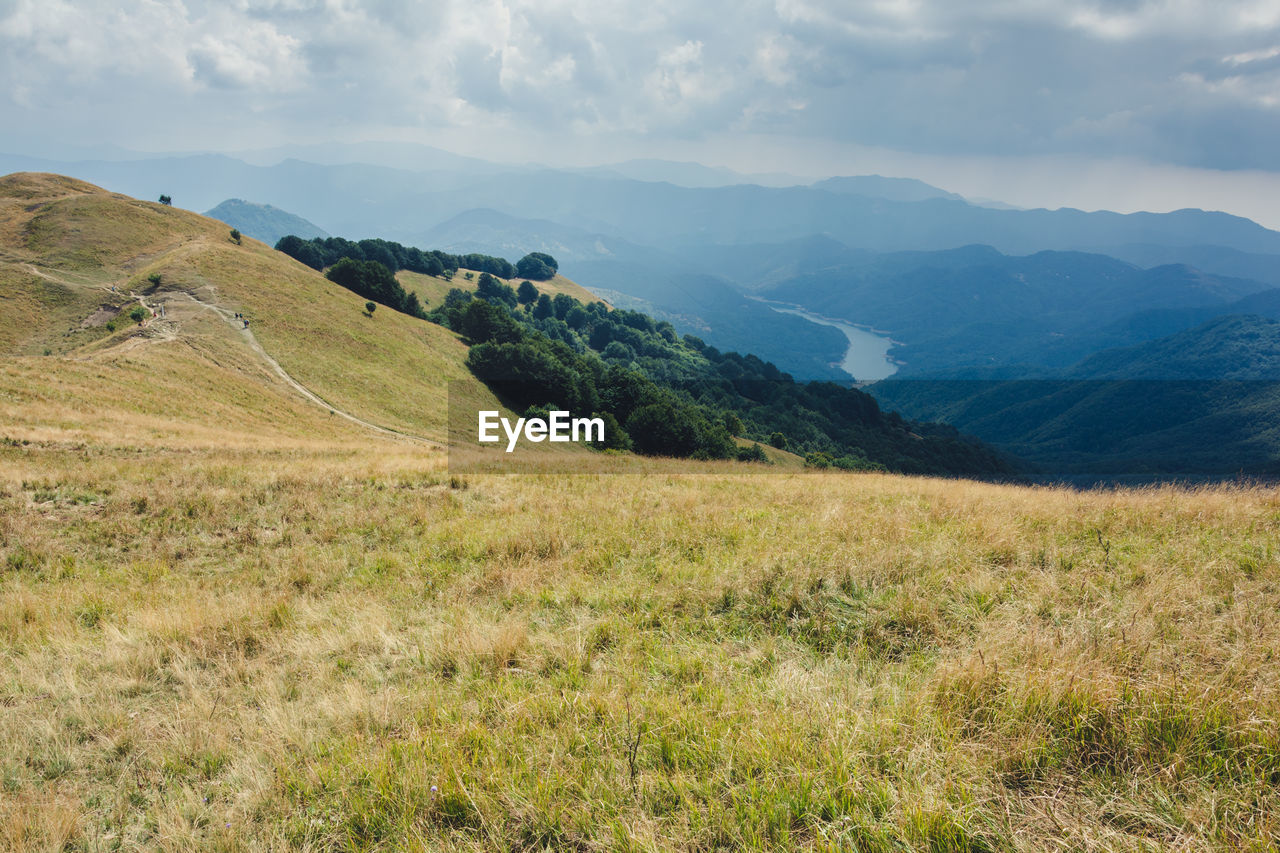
432	289
351	651
64	245
230	620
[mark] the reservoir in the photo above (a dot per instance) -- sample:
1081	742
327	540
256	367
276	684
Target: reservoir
867	359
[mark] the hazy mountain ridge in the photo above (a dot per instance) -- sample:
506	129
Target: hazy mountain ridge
974	307
263	221
359	199
1202	401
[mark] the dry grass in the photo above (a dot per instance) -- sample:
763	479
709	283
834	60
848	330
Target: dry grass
65	244
288	649
230	621
431	290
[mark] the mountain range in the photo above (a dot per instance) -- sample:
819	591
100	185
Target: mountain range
966	291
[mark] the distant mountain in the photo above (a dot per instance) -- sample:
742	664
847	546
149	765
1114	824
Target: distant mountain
354	199
893	189
1232	347
493	233
650	280
406	156
264	222
1216	259
1203	401
976	308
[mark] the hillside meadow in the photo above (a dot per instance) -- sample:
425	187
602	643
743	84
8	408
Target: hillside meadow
246	604
350	648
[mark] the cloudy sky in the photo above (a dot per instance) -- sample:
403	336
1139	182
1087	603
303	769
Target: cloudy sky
1121	103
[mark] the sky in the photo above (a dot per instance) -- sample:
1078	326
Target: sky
1122	104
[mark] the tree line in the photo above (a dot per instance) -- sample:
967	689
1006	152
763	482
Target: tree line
323	252
665	394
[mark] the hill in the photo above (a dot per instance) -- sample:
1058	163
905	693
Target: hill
659	283
146	280
76	261
975	307
891	189
1201	402
231	620
263	222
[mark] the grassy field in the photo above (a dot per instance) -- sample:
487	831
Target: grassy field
231	619
353	649
431	290
65	244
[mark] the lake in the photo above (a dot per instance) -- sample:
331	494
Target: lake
867	359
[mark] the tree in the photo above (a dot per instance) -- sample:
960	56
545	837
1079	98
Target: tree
615	437
577	318
374	281
482	322
538	266
166	200
778	440
563	303
733	423
235	236
303	251
138	314
618	351
542	309
370	307
526	293
492	290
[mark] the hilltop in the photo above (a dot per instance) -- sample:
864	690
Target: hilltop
76	261
180	310
262	221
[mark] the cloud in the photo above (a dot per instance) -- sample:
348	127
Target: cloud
1158	80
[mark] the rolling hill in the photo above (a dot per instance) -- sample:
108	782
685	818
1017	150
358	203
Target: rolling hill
113	292
976	308
76	261
263	222
233	619
1200	402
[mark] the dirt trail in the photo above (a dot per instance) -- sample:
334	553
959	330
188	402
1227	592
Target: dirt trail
247	334
167	330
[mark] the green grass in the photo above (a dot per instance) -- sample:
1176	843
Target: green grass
392	369
431	290
312	639
232	621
